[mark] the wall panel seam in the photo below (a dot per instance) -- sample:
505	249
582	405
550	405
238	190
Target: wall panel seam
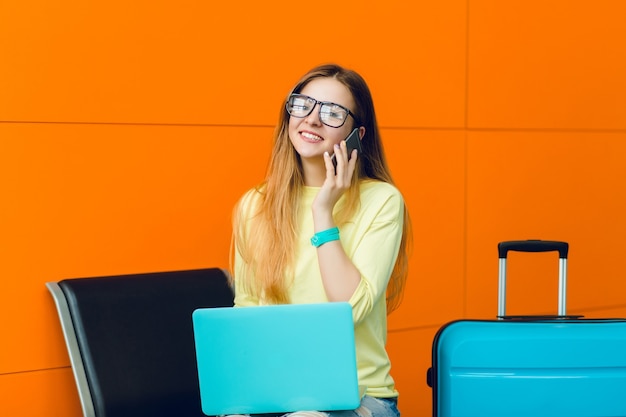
30	371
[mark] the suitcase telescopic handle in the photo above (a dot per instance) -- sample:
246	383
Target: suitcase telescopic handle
532	246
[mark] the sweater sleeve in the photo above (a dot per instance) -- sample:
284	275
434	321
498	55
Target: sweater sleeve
375	250
242	297
244	207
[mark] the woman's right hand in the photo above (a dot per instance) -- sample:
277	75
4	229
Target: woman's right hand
336	183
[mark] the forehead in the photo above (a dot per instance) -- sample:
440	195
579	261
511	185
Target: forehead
329	89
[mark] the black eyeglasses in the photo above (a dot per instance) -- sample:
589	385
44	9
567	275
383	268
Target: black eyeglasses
331	114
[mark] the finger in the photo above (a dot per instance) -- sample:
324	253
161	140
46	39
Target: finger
351	165
328	163
353	156
342	150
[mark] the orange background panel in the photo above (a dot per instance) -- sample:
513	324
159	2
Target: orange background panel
50	392
559	186
410	353
547	64
88	200
222	63
430	171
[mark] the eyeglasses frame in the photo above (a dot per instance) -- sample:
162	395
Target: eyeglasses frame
321	103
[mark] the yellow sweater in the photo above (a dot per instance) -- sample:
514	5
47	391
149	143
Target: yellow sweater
371	240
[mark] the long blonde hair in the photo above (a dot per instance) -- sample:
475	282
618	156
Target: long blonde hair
266	239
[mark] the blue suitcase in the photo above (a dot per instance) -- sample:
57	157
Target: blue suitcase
530	366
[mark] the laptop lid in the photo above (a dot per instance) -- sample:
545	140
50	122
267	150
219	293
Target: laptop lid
278	358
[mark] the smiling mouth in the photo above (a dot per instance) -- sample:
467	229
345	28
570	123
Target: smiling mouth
311	137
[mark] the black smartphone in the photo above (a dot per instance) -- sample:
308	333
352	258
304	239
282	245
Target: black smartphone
353	141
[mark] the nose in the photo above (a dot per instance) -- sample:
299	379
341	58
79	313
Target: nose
314	117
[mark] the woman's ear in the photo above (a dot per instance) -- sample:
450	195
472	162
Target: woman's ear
361	132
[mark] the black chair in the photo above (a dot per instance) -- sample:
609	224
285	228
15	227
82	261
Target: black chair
130	339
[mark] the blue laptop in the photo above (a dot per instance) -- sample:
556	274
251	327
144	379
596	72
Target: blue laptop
275	359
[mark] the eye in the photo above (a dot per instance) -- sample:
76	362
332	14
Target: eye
300	104
335	111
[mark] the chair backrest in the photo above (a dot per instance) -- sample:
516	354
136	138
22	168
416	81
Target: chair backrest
130	339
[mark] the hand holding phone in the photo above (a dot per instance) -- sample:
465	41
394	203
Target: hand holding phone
353	141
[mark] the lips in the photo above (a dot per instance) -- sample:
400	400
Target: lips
311	137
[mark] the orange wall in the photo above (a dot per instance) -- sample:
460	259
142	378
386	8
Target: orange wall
125	141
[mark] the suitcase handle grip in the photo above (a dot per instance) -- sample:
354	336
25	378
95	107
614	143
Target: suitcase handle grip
533	246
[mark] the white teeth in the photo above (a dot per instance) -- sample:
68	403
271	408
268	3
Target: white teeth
311	136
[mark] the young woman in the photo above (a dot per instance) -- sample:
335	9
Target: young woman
313	232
